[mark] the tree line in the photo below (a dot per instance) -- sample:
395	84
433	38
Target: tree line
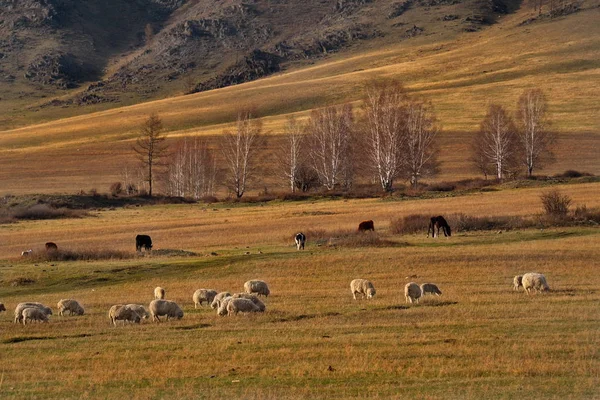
394	137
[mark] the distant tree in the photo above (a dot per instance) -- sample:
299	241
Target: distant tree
192	170
384	129
479	159
534	137
292	153
420	158
150	147
497	140
330	136
239	148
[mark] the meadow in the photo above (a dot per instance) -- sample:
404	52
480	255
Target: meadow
480	339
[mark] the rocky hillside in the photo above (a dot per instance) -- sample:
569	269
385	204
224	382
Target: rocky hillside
75	52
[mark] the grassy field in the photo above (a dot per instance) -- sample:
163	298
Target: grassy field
460	76
480	339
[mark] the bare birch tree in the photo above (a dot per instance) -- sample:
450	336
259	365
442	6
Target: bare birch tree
192	171
420	155
330	132
497	140
239	149
535	138
384	108
292	153
150	147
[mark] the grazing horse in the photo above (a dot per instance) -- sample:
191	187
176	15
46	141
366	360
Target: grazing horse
366	226
143	241
437	223
300	239
51	246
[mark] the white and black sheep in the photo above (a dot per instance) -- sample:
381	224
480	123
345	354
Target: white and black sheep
517	282
159	293
160	307
235	306
363	287
203	295
21	306
218	298
430	288
70	305
535	281
259	287
119	312
412	292
33	314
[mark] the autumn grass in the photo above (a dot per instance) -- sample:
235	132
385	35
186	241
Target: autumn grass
480	339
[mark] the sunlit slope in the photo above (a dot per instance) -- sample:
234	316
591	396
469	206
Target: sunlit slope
459	77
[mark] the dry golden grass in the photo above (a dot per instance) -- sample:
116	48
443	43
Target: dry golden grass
460	76
480	339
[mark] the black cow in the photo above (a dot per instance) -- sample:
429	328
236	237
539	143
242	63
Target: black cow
51	246
437	223
143	241
300	239
366	226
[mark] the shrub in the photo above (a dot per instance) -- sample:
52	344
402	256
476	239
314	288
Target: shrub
582	213
78	255
410	224
466	223
555	204
346	238
441	187
44	211
571	173
116	188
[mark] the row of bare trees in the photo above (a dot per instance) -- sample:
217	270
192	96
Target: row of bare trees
394	139
502	146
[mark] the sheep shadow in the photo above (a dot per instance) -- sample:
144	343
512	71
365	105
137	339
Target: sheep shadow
191	327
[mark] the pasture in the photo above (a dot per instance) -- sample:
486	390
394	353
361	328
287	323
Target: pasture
480	339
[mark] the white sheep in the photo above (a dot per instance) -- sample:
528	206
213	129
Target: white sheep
235	306
222	310
430	288
21	306
517	282
159	293
161	307
119	312
261	306
203	295
412	292
33	314
218	298
140	309
258	287
363	287
535	281
70	305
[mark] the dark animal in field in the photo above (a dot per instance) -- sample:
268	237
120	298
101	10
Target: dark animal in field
366	226
26	253
143	241
300	240
51	246
435	224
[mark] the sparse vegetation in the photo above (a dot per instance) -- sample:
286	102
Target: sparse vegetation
555	203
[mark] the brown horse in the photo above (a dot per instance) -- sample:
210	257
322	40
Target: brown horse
366	226
437	223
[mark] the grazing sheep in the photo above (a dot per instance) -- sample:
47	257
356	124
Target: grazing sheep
203	295
21	306
216	303
33	314
140	309
2	308
517	282
412	292
534	281
261	306
160	307
235	306
430	288
159	293
119	312
258	287
72	306
222	310
363	287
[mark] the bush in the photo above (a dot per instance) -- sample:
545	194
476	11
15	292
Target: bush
555	204
582	213
44	211
571	173
346	238
79	255
410	224
466	223
441	187
116	188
